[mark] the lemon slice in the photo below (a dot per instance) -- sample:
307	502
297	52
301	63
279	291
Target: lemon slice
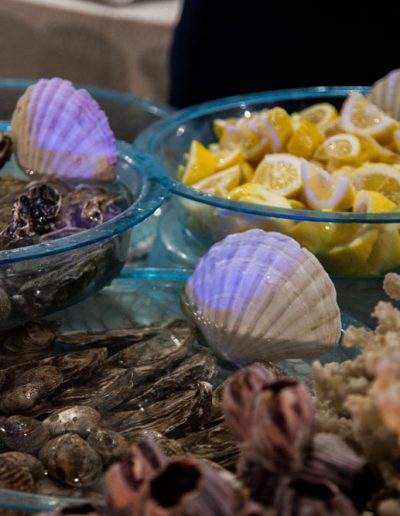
280	173
297	205
362	117
352	258
220	123
378	177
255	193
221	182
322	191
343	147
277	125
201	163
385	254
304	140
247	172
321	115
228	158
372	202
244	136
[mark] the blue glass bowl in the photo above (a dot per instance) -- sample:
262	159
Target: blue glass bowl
40	279
198	219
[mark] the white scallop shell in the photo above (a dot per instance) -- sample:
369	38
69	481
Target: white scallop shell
260	296
385	93
60	131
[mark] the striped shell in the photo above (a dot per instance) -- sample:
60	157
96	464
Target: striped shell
385	93
61	131
260	296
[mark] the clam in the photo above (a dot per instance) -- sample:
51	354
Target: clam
14	475
78	419
260	296
27	460
385	93
61	131
23	434
110	445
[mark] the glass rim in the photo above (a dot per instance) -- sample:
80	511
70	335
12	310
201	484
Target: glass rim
151	137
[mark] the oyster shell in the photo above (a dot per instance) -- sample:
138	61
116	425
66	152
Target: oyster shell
260	296
385	93
60	131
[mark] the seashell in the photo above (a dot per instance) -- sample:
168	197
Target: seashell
23	434
61	131
110	445
14	475
33	464
385	93
78	419
260	296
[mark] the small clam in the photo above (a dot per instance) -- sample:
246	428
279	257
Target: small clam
24	434
27	460
48	486
71	460
260	296
78	419
110	445
14	475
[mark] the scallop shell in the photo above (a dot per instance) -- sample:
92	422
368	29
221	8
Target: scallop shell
260	296
60	131
385	93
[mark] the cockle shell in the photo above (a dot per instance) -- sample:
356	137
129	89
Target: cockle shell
385	93
61	131
259	295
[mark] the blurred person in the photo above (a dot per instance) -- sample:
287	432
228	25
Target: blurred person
229	47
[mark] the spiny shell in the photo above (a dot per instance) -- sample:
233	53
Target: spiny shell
258	295
60	131
385	93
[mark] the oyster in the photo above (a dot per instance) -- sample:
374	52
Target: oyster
71	460
60	131
5	148
110	445
77	419
260	296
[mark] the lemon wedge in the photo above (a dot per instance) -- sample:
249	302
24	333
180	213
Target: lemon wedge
385	254
245	136
342	146
228	158
372	202
305	139
321	115
360	116
201	163
255	193
280	173
277	125
221	182
322	190
378	177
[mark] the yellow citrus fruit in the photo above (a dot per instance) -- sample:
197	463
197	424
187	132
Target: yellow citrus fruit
228	158
378	177
372	202
277	125
201	163
360	116
352	258
255	193
304	140
322	190
220	123
247	172
297	205
245	136
342	147
385	254
221	182
321	115
279	173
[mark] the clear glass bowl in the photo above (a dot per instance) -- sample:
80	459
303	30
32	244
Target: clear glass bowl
137	297
198	219
127	114
40	279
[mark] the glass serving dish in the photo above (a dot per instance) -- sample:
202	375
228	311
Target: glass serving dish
42	278
197	219
137	297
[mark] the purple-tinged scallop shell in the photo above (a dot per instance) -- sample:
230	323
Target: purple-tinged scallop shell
385	93
61	131
260	296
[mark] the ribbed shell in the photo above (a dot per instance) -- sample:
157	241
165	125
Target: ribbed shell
385	93
258	295
61	131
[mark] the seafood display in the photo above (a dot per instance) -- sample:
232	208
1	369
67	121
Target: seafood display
66	417
260	296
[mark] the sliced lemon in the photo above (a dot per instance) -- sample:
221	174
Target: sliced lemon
322	190
277	124
319	237
201	163
304	140
372	202
342	146
352	258
360	116
228	158
244	136
221	182
297	205
220	123
256	193
385	254
321	115
247	172
378	177
280	173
